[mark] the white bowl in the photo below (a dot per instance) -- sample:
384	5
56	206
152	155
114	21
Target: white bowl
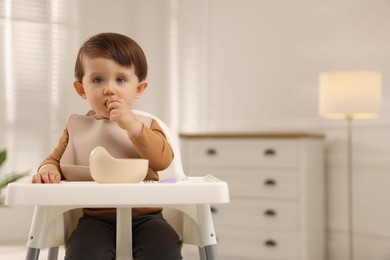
106	169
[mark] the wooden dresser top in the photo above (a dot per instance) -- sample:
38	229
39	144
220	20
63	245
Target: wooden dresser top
253	135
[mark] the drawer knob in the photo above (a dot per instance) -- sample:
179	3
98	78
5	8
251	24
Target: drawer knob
213	210
270	182
211	152
270	213
269	152
270	243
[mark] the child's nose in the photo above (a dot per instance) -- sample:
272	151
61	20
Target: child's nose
109	89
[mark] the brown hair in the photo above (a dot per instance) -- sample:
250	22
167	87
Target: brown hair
117	47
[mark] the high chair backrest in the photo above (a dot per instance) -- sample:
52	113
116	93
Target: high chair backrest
175	170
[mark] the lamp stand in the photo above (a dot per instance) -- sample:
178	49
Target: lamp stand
350	189
348	95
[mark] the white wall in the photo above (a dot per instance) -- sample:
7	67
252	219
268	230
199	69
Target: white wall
254	65
263	57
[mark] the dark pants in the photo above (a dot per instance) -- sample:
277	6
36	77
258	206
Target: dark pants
95	239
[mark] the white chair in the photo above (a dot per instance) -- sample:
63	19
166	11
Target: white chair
189	213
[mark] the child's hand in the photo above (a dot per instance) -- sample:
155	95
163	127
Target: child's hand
47	174
121	113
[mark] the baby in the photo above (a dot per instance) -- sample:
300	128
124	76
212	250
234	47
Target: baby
110	73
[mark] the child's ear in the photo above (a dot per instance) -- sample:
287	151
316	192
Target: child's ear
78	86
141	88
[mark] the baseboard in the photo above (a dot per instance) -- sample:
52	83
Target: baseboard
369	242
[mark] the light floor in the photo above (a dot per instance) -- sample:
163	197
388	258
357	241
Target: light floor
18	252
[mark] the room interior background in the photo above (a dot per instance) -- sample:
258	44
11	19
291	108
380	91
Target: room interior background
230	66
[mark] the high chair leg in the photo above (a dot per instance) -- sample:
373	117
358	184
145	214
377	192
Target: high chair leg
202	253
211	252
208	252
53	253
32	253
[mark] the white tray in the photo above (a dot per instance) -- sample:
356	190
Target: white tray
208	190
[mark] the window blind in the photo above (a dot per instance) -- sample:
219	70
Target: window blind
35	46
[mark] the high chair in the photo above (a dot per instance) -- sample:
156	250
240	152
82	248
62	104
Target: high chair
186	206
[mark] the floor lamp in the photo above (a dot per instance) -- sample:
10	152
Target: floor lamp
350	95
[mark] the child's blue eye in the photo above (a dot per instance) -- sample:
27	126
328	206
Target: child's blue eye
97	80
120	80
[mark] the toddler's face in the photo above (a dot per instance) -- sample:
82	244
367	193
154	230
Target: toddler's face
105	81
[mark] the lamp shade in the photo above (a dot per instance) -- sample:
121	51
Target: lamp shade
355	94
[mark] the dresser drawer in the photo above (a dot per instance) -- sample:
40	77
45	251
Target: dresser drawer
262	245
246	153
270	183
256	215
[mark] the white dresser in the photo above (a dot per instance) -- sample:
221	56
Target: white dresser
276	188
